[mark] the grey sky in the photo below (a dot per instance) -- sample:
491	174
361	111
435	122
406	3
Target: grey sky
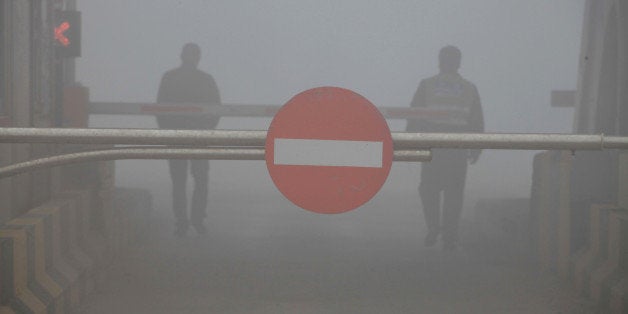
515	51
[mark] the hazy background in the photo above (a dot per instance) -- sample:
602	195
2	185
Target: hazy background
515	51
265	255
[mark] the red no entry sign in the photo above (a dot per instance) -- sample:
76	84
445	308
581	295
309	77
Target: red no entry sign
329	150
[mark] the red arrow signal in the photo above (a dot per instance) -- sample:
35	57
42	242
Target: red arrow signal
67	34
59	36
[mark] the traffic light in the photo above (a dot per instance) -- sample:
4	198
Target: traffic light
67	34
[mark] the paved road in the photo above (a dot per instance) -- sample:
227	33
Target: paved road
263	255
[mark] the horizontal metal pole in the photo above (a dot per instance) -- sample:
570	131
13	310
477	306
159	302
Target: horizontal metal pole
225	110
134	153
236	110
133	136
401	141
508	141
615	142
412	155
166	153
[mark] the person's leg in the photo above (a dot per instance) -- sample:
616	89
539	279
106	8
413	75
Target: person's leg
453	197
429	191
178	173
200	172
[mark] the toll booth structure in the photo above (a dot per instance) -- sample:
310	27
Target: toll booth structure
579	201
57	225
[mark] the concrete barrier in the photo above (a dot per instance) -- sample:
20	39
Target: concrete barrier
596	250
44	268
608	281
551	212
76	238
59	262
52	256
48	289
19	292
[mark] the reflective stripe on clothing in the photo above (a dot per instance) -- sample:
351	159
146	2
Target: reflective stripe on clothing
455	96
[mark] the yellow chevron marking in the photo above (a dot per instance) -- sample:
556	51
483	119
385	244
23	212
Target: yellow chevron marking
20	263
40	254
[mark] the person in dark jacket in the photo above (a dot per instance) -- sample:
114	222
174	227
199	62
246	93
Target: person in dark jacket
448	92
188	84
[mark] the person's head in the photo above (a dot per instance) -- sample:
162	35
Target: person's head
449	59
190	55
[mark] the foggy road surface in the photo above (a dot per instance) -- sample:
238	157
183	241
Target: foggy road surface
264	255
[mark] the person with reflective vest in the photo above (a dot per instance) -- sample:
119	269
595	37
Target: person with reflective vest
188	84
454	106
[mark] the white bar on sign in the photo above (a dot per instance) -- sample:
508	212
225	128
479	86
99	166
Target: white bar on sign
306	152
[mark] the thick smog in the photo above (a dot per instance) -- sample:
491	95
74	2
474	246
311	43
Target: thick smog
267	53
351	176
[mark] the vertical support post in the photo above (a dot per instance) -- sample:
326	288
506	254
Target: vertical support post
564	215
75	102
543	204
622	184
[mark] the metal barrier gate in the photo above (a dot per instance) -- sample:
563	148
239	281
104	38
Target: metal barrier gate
235	110
249	145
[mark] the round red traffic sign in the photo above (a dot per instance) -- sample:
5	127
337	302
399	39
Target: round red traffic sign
329	150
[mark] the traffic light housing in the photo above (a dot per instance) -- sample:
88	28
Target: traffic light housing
67	34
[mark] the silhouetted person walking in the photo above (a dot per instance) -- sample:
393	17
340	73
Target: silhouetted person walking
188	84
447	171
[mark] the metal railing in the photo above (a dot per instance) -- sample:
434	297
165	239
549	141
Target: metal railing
248	145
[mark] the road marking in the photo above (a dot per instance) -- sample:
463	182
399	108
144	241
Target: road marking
308	152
